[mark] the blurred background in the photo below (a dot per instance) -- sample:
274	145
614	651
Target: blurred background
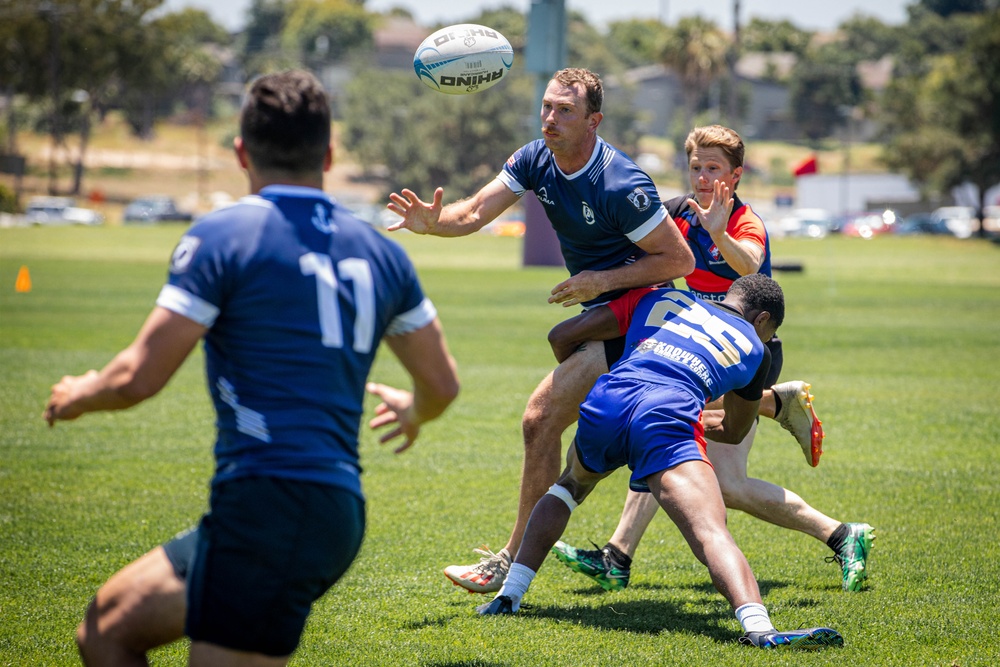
859	119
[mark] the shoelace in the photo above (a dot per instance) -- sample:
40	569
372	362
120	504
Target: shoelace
490	562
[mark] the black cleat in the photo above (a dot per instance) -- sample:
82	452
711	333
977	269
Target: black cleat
501	604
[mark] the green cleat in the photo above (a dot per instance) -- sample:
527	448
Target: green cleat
853	556
593	563
809	639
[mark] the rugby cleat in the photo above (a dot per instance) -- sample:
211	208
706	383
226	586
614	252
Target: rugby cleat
486	576
499	606
798	417
806	638
853	556
593	563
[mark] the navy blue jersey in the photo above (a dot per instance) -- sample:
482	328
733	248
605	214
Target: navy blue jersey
675	338
297	294
598	213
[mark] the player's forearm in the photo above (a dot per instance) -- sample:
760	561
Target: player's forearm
648	270
743	257
459	219
431	399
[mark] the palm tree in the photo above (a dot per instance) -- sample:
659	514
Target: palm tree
695	50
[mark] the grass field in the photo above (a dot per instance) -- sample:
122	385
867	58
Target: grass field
899	336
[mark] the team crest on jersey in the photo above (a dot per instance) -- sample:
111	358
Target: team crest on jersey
588	214
640	199
184	253
321	221
714	252
543	196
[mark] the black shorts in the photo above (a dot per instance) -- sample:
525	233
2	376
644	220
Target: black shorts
776	360
267	549
614	350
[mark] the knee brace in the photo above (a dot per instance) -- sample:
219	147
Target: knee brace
563	494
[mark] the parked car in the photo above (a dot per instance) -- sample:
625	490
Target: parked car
867	224
59	211
155	208
811	222
961	220
921	223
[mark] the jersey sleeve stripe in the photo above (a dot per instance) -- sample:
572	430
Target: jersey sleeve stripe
640	232
511	183
190	306
414	319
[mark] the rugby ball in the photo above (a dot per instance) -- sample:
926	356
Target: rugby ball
463	59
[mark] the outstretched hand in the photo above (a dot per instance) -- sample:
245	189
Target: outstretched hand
418	216
396	408
715	218
62	404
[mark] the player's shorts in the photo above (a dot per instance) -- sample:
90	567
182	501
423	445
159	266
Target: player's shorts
258	560
614	350
648	427
776	360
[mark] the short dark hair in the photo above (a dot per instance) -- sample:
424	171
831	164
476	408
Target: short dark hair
285	122
594	89
758	293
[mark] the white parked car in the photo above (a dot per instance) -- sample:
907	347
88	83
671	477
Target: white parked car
59	211
960	220
811	222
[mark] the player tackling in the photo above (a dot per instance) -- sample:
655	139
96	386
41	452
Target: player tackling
646	413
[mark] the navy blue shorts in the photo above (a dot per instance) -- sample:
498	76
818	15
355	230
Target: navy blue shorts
267	549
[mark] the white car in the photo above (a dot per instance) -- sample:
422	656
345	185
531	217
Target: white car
960	220
59	211
810	222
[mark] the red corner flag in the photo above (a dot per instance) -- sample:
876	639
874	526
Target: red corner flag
807	166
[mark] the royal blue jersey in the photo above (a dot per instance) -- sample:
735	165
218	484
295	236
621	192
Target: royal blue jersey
673	337
599	213
296	293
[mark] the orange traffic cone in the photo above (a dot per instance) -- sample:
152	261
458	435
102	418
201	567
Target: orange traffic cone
23	282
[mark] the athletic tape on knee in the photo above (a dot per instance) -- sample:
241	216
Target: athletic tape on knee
563	494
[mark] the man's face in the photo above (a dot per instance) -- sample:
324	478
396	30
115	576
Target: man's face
565	121
705	167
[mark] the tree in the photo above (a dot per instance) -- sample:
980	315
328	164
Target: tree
764	36
868	38
948	8
824	86
320	31
637	41
946	126
261	47
420	139
696	50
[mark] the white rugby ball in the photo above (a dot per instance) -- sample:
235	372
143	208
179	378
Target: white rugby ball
463	59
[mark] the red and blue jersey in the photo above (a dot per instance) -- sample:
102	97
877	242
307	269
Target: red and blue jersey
296	294
712	276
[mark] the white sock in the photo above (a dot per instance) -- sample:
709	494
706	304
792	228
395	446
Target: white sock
753	617
516	584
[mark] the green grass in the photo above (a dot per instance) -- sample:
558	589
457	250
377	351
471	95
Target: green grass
899	337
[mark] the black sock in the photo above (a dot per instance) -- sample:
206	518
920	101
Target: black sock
777	402
617	557
836	541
